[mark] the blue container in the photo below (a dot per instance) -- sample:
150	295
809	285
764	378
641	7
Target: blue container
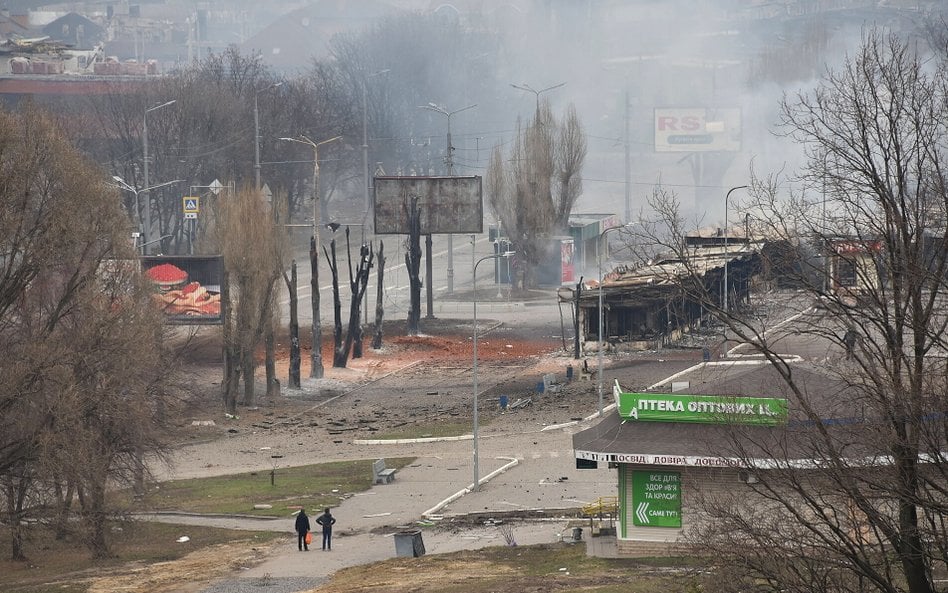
540	387
503	402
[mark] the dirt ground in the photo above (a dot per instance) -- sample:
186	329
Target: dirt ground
426	370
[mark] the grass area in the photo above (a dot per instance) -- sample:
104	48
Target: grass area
312	487
549	567
420	431
61	566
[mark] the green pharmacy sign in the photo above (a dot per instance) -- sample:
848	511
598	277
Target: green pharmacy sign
656	499
708	409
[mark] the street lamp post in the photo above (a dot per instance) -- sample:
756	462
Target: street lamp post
599	315
526	87
477	477
122	184
256	133
147	222
365	144
449	160
316	358
726	252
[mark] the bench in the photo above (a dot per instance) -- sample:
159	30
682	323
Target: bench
382	474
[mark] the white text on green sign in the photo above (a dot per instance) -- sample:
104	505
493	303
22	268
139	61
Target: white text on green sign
656	499
709	409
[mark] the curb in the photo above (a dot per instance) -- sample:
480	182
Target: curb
463	437
434	510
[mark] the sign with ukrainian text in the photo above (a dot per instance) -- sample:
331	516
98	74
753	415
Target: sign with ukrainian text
656	499
707	409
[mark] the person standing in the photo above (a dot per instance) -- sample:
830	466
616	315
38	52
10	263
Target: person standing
326	520
302	528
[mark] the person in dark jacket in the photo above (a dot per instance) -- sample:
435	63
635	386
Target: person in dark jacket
302	528
327	521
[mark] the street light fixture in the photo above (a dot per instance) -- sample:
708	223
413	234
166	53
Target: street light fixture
122	184
256	133
449	160
526	87
726	258
316	370
600	347
506	254
147	222
365	142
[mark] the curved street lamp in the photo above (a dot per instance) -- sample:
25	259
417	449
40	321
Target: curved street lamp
727	307
526	87
147	221
365	146
316	370
506	254
124	185
600	346
256	133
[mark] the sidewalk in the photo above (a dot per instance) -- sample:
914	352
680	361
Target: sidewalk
543	480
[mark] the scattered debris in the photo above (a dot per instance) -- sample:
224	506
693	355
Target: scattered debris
183	539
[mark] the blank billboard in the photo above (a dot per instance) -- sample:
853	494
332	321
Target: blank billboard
447	204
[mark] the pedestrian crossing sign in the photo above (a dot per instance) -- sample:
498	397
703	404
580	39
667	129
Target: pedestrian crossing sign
191	204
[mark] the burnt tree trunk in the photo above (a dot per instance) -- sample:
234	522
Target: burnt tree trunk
379	310
358	336
413	265
336	303
357	283
291	283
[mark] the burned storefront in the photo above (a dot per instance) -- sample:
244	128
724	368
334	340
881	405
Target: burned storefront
645	306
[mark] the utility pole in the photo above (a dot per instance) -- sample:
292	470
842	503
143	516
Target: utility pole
449	162
147	222
628	163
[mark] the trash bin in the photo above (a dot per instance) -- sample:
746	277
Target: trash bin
503	402
569	372
408	544
577	534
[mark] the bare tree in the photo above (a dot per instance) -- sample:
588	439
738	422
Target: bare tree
84	367
251	247
291	284
852	494
533	190
358	282
379	309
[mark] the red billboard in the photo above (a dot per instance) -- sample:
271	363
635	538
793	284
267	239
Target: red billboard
187	288
567	266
